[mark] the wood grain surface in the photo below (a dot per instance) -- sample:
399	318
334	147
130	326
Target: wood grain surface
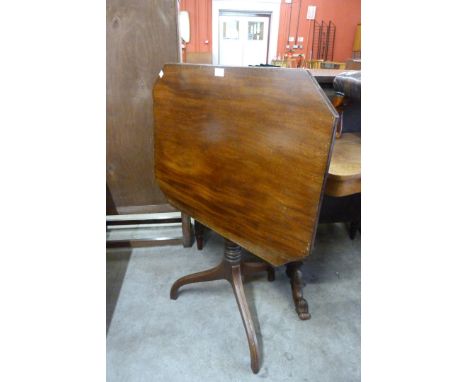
141	37
245	153
344	174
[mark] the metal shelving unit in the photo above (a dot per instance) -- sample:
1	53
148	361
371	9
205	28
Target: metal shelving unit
323	41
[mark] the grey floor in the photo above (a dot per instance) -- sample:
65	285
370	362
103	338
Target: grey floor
200	336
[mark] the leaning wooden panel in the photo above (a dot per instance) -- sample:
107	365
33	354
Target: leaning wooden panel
141	37
245	151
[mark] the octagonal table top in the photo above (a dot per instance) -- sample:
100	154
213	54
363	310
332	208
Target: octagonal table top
245	151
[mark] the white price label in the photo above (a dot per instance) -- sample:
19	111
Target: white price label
219	72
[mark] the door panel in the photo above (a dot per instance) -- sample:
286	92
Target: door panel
231	50
256	43
243	40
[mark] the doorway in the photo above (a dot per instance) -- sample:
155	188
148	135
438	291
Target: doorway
243	38
248	8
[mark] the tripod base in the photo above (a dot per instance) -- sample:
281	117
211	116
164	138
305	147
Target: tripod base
232	268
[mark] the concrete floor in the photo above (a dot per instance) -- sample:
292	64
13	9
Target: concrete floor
200	336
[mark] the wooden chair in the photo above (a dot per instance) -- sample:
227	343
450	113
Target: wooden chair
228	156
313	64
280	63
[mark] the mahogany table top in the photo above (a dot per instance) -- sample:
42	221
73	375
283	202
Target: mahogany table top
245	150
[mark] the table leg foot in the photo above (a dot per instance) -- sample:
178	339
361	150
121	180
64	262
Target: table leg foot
238	289
216	273
295	276
232	269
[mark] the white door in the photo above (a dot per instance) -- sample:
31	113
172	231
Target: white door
243	40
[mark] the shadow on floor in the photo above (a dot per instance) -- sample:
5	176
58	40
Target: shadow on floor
117	260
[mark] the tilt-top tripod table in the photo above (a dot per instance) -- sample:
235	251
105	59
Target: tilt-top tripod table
244	151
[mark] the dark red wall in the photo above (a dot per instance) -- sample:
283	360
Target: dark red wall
345	14
200	24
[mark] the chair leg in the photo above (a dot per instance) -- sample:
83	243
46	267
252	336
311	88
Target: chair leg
186	230
294	273
199	231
